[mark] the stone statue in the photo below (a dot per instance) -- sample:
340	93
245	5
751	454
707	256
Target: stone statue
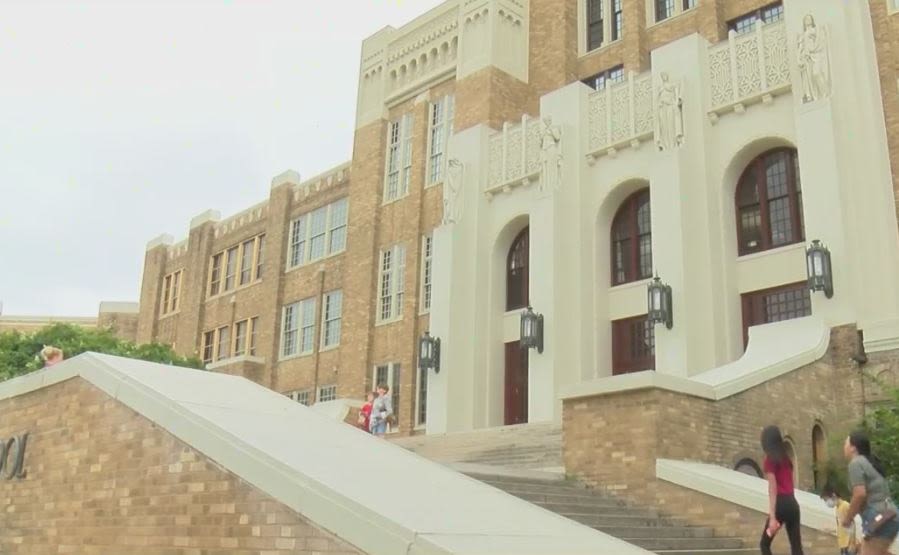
452	192
814	61
670	115
551	145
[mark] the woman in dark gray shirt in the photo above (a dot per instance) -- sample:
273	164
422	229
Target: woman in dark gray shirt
870	495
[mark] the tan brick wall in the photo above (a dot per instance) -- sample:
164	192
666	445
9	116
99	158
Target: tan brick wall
102	480
613	441
123	325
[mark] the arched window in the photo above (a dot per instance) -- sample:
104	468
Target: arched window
632	240
769	202
750	467
517	272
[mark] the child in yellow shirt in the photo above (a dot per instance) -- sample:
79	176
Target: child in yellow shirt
847	540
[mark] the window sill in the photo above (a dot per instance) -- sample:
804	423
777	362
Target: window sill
311	262
630	285
770	252
394	201
232	291
672	18
329	348
602	47
234	360
432	185
388	322
168	315
296	356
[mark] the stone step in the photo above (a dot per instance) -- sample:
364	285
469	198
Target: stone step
597	521
564	497
657	531
739	551
693	544
537	486
603	510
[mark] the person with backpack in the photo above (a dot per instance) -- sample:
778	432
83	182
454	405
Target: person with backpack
783	509
382	411
870	496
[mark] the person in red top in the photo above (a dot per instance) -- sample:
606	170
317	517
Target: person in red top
364	421
783	509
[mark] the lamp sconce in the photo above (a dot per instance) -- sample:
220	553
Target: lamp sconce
820	271
658	303
429	353
532	330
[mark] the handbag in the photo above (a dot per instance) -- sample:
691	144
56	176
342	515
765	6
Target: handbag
881	518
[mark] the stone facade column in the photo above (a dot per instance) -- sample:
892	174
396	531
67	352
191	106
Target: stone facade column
844	163
194	283
682	216
151	287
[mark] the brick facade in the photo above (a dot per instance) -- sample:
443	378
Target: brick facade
661	424
102	479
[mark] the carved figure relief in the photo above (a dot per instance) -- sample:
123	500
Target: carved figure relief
813	53
452	192
551	146
669	116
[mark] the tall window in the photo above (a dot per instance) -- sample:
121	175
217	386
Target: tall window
632	240
240	337
664	9
689	4
301	397
774	305
254	330
247	252
215	275
392	283
389	374
595	24
617	20
298	328
333	308
260	252
605	78
230	268
426	265
439	131
208	347
224	343
399	158
746	22
633	345
769	202
318	234
421	413
171	290
327	393
517	272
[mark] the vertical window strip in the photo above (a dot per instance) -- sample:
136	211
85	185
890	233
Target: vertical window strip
426	266
307	332
260	255
386	295
254	330
332	318
399	279
289	330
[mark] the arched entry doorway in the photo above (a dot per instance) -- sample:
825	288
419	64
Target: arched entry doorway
819	456
516	360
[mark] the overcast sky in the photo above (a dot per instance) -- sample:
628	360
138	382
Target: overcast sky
121	120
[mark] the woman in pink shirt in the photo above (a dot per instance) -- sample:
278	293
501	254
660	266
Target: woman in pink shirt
783	509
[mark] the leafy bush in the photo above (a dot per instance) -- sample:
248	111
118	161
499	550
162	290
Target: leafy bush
19	352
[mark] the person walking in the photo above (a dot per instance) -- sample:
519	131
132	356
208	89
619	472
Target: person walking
364	421
382	411
51	355
783	509
847	539
870	496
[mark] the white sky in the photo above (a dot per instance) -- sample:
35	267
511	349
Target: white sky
121	120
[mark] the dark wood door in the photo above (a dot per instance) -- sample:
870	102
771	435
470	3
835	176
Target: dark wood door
516	384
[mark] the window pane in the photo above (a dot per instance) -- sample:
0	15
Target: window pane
338	226
776	175
622	260
616	19
517	273
664	9
246	261
215	278
254	330
307	332
422	416
224	343
240	338
289	331
260	253
298	241
208	346
426	273
386	290
747	190
750	229
333	310
395	391
399	279
231	268
317	233
781	222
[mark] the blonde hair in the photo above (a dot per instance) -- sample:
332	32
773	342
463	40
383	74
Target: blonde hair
49	352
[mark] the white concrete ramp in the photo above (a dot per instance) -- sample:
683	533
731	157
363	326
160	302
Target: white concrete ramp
376	496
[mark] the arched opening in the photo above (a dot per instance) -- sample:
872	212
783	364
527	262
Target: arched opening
791	454
768	202
749	467
631	240
517	272
819	456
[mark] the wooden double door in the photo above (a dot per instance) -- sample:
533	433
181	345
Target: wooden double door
516	384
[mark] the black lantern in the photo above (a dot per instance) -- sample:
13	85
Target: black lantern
659	303
820	272
532	330
429	352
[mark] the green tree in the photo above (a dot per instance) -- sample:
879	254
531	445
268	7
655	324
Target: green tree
883	429
19	352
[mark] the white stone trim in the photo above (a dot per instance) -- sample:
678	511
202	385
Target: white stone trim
774	350
163	240
289	177
234	360
324	473
205	217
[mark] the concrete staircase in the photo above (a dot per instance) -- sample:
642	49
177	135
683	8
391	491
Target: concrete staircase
639	526
526	446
